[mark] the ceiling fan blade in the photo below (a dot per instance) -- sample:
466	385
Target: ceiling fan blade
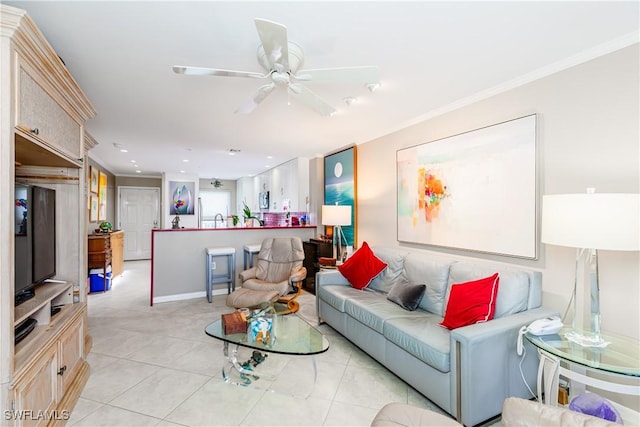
367	74
199	71
261	94
311	100
275	44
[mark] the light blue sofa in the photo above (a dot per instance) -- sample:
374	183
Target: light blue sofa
468	371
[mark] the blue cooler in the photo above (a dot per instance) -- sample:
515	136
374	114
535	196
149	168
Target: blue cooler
96	279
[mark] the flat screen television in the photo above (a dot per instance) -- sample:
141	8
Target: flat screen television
35	238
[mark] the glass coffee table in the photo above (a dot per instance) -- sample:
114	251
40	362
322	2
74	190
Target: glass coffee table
290	336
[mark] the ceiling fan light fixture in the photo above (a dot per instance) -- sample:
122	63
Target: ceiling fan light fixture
281	60
280	78
295	88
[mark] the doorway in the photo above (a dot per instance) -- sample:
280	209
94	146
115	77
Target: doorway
138	214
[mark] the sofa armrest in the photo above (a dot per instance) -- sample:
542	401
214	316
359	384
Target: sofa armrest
330	277
485	367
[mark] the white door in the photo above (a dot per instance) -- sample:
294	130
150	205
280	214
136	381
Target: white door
139	212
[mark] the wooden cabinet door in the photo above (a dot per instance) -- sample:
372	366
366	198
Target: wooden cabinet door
45	119
71	351
117	253
36	395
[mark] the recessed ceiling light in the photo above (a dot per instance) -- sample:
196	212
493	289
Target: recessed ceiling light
186	160
372	86
138	171
269	157
133	161
181	171
349	100
122	150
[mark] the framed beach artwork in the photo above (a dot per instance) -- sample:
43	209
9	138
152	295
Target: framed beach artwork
102	196
473	191
181	196
340	187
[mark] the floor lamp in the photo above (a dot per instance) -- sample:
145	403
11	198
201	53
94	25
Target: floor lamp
337	216
590	222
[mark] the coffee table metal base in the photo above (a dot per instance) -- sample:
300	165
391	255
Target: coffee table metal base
273	373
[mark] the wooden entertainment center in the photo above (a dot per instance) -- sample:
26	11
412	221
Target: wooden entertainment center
42	142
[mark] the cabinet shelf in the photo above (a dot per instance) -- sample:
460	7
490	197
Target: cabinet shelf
43	335
48	327
44	295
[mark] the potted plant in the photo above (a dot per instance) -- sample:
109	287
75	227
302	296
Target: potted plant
249	216
235	219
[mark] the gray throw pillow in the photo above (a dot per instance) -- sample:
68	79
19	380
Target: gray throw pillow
406	295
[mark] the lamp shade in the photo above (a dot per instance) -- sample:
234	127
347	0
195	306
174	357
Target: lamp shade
336	215
592	221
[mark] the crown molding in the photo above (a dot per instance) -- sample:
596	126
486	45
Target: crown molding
548	70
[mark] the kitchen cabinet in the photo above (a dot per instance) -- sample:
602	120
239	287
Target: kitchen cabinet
288	181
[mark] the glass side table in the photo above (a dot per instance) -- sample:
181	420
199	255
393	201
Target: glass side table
620	359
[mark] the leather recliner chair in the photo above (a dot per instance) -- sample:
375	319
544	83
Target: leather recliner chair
277	275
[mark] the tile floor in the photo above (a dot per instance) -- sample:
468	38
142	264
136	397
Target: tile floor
155	366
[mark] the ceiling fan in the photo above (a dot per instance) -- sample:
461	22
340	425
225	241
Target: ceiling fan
282	59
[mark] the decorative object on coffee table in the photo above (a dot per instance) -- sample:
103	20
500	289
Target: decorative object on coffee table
234	323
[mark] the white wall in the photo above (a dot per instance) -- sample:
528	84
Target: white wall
588	136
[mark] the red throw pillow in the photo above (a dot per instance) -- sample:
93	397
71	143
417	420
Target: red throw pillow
471	302
361	267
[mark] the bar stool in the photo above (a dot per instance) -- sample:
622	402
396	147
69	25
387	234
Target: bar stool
248	251
228	277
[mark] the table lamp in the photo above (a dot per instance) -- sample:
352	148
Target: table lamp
590	222
337	216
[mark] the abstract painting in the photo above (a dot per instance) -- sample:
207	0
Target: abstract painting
340	186
473	191
181	196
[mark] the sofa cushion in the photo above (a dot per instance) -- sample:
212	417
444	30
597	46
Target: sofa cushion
433	271
372	309
361	267
336	295
422	337
471	302
513	294
406	295
394	273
